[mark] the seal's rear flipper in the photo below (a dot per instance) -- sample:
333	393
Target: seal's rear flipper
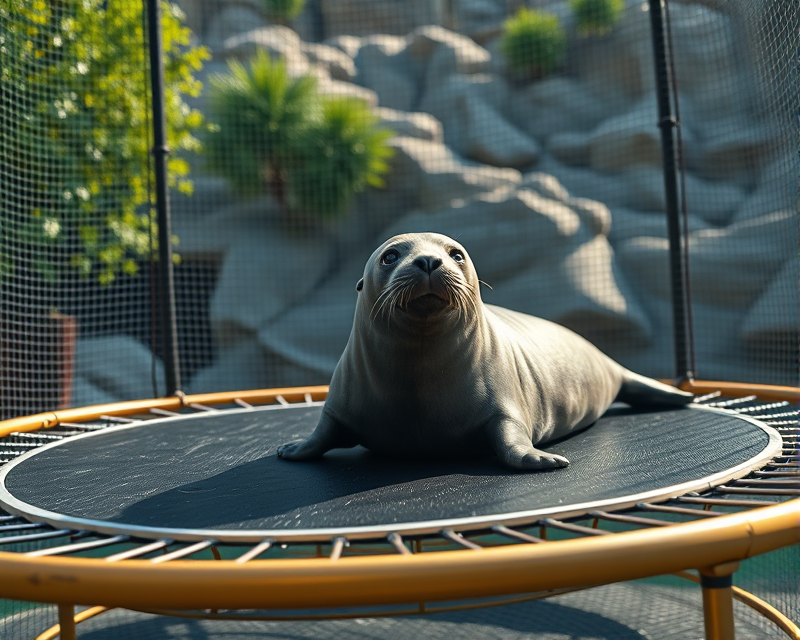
638	390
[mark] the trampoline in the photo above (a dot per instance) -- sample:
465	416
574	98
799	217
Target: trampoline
184	510
216	475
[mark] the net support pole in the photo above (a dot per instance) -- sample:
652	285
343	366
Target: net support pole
678	243
166	282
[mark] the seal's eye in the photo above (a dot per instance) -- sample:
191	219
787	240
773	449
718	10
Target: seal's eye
390	257
457	255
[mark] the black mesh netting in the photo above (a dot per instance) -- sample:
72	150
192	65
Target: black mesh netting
526	129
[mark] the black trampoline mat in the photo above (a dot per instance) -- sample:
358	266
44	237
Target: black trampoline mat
217	475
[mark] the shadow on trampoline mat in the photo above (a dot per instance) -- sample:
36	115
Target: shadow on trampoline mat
627	611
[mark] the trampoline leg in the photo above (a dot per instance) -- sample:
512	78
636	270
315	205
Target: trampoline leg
717	586
66	622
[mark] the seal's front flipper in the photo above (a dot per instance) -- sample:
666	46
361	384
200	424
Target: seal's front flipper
512	444
641	391
329	434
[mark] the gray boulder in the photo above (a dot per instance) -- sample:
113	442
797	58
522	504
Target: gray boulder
229	22
278	41
247	365
384	68
118	366
86	394
773	320
627	140
312	336
413	125
558	105
477	17
583	289
776	190
431	176
264	272
491	139
333	61
366	17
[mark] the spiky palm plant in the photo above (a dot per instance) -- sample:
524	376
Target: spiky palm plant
259	113
276	134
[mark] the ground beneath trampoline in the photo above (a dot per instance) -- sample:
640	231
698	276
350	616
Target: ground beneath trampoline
630	611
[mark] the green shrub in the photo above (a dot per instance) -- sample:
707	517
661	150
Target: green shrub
74	112
339	155
276	134
284	10
259	113
534	41
597	17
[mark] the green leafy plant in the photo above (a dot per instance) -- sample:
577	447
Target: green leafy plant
74	105
597	17
340	154
534	41
312	153
284	10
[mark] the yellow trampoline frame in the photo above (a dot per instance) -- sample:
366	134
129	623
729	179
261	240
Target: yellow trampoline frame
712	546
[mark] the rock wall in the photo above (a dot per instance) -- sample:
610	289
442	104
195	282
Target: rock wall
554	186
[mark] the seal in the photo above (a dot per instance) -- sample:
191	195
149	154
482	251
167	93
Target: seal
430	371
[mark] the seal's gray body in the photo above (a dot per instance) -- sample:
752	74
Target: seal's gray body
462	379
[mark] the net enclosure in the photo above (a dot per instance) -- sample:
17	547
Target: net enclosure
300	135
298	144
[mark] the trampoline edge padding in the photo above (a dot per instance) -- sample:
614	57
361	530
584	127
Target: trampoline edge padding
352	493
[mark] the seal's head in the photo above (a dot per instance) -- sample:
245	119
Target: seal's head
419	277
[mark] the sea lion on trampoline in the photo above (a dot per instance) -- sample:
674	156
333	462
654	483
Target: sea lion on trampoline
430	371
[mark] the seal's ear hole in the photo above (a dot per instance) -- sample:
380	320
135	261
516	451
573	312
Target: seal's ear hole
360	285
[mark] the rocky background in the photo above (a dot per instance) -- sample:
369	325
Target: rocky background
554	186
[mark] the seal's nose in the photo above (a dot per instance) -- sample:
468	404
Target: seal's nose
428	263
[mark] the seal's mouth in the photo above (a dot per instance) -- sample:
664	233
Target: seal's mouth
427	303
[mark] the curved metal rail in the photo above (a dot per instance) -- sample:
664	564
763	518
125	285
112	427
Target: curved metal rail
710	532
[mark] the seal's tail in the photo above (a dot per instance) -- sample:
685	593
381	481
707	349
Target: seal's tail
639	390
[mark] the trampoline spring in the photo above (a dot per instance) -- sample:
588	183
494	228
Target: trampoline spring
20	527
25	445
452	536
82	427
727	503
35	436
339	543
788	472
396	540
163	412
80	546
282	400
184	552
11	453
119	419
574	528
516	535
619	517
9	518
758	491
679	510
776	482
202	407
308	398
32	537
261	547
784	423
765	407
734	401
243	404
770	416
140	551
707	397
